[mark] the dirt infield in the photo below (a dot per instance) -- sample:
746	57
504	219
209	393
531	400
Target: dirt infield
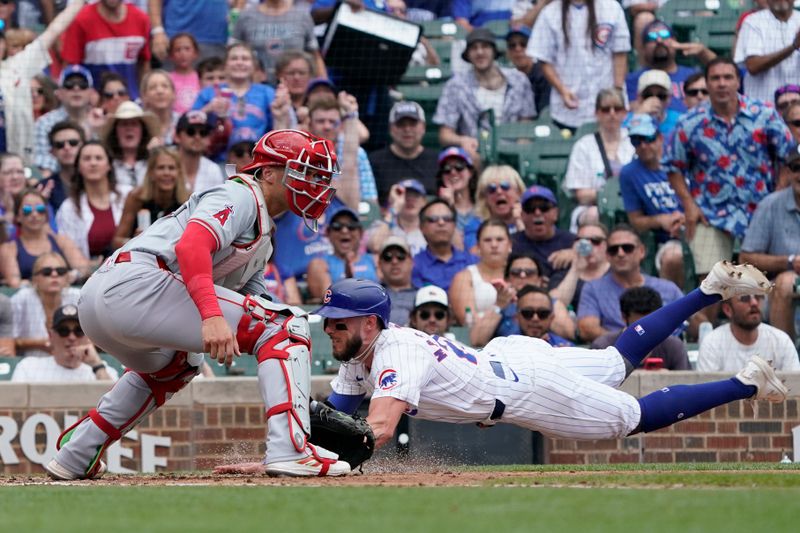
381	477
427	479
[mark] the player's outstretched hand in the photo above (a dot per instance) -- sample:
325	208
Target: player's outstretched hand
219	341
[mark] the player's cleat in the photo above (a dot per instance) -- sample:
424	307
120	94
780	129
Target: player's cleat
314	463
729	280
59	473
759	373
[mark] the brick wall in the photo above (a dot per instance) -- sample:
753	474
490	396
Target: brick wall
217	421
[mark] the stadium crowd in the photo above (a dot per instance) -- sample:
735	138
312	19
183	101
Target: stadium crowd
112	113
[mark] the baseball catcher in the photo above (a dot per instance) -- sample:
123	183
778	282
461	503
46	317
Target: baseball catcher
189	284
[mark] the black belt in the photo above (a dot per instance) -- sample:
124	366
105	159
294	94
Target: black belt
497	412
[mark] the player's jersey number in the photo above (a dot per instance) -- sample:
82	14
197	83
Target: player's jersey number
447	347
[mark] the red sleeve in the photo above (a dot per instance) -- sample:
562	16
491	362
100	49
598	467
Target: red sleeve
193	252
74	41
145	53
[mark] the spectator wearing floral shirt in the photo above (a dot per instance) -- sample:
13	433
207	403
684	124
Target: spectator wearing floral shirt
728	149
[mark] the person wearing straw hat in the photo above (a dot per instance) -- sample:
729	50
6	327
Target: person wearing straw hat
129	134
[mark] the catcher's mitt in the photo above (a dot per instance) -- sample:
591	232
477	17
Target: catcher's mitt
349	436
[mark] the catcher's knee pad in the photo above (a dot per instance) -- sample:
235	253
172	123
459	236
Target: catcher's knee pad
285	369
259	314
173	377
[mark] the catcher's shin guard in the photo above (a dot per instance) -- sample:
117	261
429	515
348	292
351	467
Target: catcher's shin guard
133	397
284	373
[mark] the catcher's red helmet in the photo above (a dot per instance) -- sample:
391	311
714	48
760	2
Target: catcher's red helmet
309	163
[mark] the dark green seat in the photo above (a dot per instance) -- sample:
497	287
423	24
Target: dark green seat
717	33
499	28
426	96
443	48
112	361
610	205
7	366
684	16
425	73
690	279
437	29
545	158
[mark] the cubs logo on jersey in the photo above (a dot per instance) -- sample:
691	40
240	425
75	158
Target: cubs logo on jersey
602	35
388	379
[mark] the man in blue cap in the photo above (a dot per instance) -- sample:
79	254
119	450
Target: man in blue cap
649	199
74	93
551	246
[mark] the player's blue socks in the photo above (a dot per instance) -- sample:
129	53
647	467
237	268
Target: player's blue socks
642	336
679	402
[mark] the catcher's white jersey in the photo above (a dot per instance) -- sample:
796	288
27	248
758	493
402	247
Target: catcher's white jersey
235	213
558	391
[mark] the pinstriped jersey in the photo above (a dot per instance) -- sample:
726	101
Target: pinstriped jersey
235	213
438	378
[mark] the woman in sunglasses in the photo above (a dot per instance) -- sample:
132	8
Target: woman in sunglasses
498	198
113	92
34	304
520	271
590	263
34	238
162	192
596	157
456	181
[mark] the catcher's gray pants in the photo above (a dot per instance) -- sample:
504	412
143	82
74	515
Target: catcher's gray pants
142	314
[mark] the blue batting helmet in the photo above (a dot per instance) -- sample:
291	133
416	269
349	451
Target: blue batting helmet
356	297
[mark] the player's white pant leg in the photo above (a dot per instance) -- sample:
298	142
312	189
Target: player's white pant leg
603	366
559	402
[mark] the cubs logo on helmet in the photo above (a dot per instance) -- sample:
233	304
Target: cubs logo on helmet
388	379
327	298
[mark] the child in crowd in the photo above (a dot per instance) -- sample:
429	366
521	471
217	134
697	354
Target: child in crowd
211	71
183	51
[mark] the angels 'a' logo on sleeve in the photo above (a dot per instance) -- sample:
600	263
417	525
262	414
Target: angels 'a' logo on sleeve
223	214
388	379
